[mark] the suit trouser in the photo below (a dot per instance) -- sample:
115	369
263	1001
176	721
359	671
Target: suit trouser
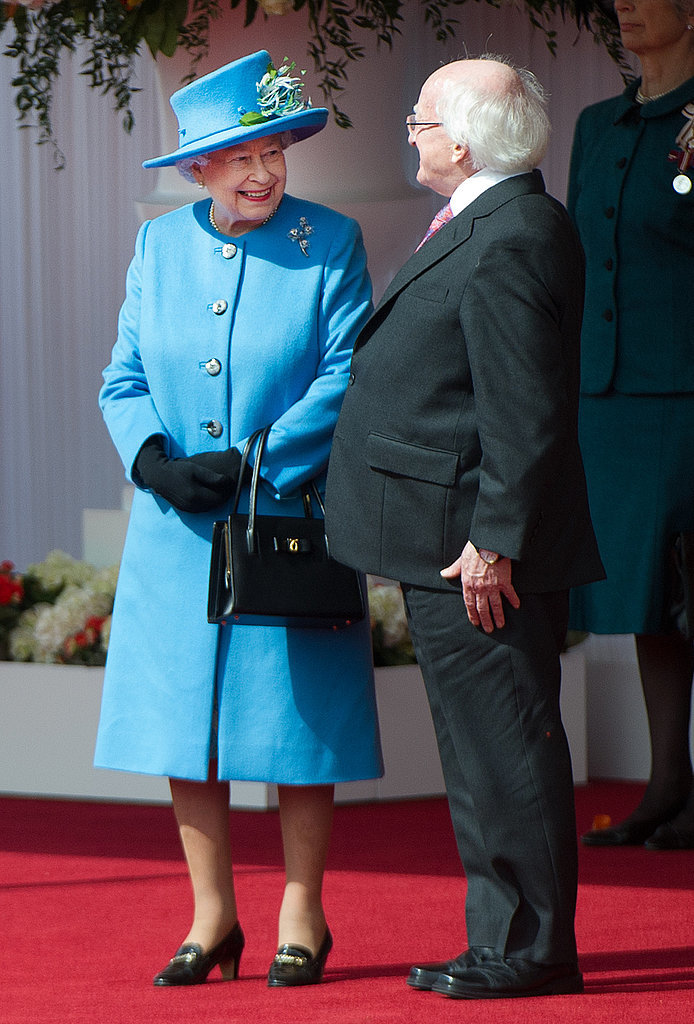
506	762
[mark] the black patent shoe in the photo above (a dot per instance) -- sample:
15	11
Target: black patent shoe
671	837
294	965
629	833
632	832
190	966
424	976
497	977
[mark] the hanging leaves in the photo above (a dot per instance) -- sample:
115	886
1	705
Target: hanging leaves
114	31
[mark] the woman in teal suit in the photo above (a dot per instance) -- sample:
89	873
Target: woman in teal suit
631	195
241	310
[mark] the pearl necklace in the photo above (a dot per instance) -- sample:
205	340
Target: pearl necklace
640	98
214	224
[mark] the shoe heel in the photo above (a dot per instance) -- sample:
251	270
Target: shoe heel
229	956
230	968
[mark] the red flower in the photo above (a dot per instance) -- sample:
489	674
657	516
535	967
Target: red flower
69	647
11	589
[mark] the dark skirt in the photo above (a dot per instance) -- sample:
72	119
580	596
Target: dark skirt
639	457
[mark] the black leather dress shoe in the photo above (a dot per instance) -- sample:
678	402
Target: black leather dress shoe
190	966
497	977
296	965
423	976
633	833
670	837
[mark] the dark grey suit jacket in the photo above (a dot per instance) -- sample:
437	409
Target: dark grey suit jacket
460	419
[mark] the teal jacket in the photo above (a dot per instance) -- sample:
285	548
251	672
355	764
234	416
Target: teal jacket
638	235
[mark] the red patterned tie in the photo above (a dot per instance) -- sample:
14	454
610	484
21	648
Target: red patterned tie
442	217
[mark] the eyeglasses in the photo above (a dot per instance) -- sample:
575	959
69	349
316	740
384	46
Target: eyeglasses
412	123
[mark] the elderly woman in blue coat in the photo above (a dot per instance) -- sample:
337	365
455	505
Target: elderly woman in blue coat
241	310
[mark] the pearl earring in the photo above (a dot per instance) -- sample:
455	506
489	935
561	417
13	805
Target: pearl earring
201	184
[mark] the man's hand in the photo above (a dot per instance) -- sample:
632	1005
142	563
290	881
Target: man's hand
483	586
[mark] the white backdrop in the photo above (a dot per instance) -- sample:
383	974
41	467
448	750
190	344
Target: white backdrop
66	239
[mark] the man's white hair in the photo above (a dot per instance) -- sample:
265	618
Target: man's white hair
505	130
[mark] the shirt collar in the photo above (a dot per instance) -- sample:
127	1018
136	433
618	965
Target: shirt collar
474	186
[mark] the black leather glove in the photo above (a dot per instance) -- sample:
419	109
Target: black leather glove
188	484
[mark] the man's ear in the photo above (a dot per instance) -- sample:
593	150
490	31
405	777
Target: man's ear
459	153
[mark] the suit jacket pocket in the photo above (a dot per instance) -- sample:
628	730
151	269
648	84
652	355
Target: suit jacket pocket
402	458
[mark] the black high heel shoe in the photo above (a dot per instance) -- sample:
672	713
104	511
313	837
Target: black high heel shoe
671	837
190	966
632	832
294	965
627	833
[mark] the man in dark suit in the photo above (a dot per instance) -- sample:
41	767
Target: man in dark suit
456	470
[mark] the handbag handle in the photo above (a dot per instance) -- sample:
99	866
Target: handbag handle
260	436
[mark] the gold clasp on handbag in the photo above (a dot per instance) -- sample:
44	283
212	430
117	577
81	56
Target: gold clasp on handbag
292	545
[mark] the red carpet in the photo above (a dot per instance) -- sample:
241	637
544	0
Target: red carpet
94	899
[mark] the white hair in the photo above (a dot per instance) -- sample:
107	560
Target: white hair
185	166
505	130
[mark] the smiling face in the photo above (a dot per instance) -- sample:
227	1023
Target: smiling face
652	26
246	183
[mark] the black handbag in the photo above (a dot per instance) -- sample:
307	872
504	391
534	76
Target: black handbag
277	570
681	610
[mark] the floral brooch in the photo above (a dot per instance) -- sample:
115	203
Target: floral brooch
301	234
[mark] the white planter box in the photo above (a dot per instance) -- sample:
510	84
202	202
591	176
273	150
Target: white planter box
50	715
47	735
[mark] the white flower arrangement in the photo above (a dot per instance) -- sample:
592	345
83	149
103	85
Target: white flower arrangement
63	615
390	636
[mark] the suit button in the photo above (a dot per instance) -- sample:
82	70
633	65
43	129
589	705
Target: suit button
213	367
608	315
609	263
219	307
214	428
609	212
622	162
229	250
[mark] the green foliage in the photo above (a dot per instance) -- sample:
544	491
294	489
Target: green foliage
114	30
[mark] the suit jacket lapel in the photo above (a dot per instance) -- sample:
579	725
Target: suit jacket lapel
456	232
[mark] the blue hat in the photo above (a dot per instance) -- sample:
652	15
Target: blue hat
244	100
